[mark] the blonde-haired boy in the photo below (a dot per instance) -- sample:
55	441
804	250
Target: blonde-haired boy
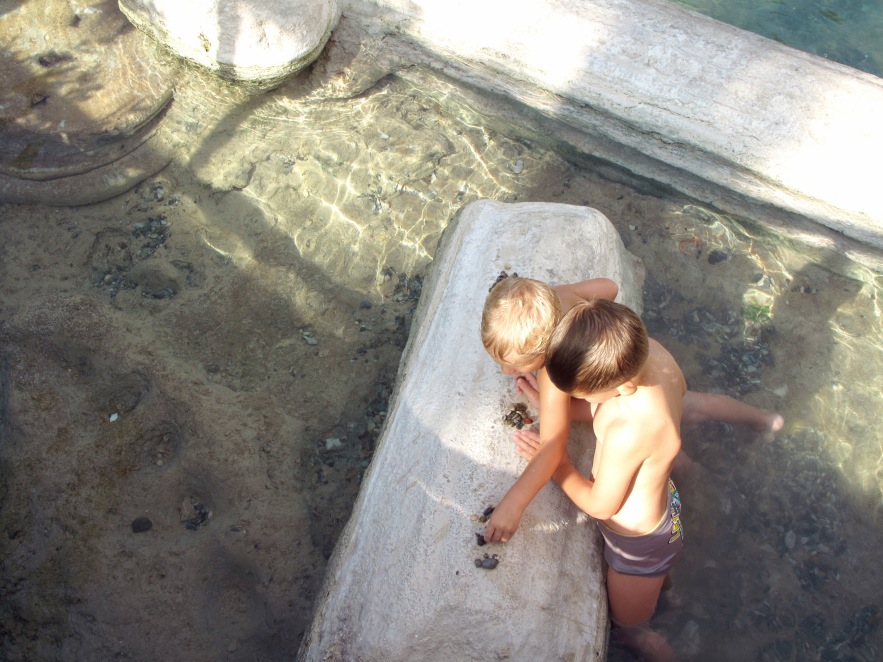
519	317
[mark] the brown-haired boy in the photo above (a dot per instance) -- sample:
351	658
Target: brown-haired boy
519	316
600	353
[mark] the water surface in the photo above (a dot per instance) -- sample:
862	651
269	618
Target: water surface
323	202
783	537
846	31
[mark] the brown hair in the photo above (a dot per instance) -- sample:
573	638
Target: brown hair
519	316
597	346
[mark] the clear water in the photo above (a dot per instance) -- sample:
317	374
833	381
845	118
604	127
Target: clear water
846	31
784	537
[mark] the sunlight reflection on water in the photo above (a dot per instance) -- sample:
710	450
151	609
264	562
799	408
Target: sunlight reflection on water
782	531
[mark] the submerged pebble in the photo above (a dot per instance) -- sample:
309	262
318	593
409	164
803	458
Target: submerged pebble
141	524
194	514
717	256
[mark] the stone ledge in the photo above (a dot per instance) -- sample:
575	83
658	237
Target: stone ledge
259	42
402	584
718	113
80	112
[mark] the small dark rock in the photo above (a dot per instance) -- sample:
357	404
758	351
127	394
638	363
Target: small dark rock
52	59
502	275
488	562
715	257
201	515
141	524
479	540
517	416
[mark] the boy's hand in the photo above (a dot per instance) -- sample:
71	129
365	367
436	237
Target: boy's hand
503	523
528	443
526	383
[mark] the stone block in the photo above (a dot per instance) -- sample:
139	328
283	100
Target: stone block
261	42
402	584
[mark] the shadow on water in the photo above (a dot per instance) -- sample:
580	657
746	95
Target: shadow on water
779	530
250	357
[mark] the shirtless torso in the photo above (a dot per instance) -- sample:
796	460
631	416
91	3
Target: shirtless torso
638	438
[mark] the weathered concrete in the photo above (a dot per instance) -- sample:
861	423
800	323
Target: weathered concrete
260	42
79	111
718	113
402	584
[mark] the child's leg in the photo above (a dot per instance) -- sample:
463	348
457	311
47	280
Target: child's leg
632	602
699	407
644	642
632	597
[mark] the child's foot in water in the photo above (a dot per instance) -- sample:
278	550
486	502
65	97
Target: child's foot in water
644	642
769	424
769	421
699	407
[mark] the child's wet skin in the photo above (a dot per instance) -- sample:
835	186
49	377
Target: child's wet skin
483	518
527	385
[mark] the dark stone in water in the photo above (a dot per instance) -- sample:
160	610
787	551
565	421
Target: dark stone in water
715	257
201	515
52	59
141	524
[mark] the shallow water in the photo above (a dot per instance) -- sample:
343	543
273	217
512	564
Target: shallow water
787	534
849	32
327	202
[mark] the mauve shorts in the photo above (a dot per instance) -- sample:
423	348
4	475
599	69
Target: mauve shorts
650	554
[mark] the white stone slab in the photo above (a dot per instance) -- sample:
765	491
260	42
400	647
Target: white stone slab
716	112
402	584
257	41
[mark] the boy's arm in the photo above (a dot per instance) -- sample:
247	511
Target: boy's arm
554	429
603	496
602	288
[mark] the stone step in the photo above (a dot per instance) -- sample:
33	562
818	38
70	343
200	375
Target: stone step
80	90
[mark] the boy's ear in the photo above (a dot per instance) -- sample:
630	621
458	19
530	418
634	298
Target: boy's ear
626	388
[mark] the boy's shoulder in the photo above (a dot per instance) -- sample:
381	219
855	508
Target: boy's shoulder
635	415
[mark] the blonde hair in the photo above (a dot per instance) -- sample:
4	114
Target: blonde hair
518	319
598	346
